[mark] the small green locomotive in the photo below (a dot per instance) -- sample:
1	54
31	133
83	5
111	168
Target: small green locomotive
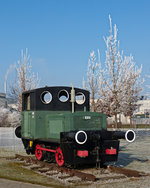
57	125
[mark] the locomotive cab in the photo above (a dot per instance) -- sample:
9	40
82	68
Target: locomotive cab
57	123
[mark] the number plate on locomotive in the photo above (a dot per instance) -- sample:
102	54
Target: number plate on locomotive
87	117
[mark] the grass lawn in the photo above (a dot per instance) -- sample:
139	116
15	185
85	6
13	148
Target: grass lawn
14	171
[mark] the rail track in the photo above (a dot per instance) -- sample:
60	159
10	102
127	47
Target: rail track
104	175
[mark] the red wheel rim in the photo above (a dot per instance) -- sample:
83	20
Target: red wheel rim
59	157
38	152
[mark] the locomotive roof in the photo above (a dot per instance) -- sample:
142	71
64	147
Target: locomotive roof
53	87
55	98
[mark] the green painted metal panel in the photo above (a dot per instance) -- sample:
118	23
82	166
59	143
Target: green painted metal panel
55	126
48	124
40	123
28	124
89	121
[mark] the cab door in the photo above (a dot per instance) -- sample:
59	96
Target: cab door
54	127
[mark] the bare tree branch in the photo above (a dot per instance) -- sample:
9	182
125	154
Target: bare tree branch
26	80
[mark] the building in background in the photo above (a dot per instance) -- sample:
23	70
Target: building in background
141	115
143	106
6	102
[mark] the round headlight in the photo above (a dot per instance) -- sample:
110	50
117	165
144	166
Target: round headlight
81	137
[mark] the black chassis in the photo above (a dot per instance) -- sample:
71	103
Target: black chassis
96	145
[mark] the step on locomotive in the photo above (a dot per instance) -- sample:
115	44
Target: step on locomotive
57	125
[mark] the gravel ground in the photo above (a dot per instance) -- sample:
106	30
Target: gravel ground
133	183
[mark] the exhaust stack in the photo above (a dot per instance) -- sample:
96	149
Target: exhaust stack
72	97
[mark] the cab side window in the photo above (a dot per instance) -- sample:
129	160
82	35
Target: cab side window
27	102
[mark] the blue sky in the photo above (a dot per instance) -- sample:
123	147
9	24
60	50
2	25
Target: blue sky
60	34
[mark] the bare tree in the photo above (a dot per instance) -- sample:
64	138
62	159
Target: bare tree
8	118
26	80
92	78
110	80
4	117
118	80
132	86
14	119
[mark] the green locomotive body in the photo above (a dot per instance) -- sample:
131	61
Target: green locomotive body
58	125
49	125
